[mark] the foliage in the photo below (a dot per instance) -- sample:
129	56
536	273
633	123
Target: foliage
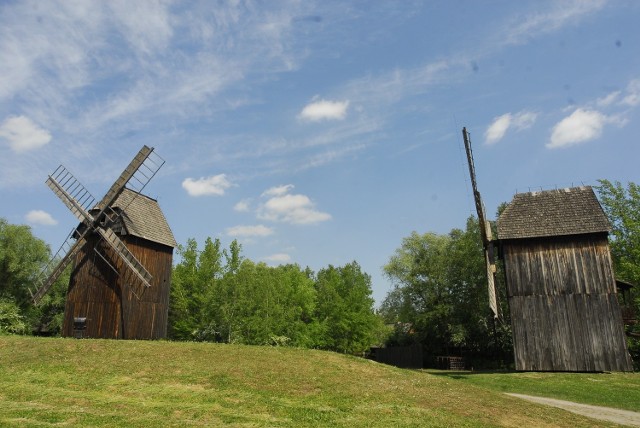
113	383
345	309
22	258
11	319
218	295
622	207
440	297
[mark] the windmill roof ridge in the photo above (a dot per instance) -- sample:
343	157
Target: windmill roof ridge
143	217
557	212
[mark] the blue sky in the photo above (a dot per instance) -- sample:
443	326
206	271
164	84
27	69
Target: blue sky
315	132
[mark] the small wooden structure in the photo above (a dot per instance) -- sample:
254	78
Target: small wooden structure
99	289
561	288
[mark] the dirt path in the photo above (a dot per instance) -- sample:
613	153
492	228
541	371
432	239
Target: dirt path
622	417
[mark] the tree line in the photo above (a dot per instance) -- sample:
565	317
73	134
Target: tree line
438	298
218	295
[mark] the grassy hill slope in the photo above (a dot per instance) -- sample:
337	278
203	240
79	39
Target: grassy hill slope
66	382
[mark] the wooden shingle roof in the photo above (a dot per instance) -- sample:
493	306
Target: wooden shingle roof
142	217
571	211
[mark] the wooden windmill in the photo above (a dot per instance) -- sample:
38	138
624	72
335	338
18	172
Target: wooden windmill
110	289
561	286
485	231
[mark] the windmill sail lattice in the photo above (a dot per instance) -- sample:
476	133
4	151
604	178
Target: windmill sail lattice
485	231
99	218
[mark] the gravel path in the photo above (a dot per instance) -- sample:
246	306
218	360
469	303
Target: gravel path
622	417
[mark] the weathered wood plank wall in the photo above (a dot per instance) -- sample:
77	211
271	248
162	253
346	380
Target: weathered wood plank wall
565	312
105	298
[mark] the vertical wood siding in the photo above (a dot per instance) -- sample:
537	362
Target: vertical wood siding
565	314
106	298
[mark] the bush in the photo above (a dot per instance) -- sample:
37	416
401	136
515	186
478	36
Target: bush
11	321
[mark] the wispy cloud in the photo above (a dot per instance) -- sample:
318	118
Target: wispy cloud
278	258
537	23
39	217
608	99
285	207
632	94
249	231
324	110
243	206
171	65
204	186
23	134
498	128
278	190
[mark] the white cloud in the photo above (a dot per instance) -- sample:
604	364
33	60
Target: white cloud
249	231
23	134
288	208
498	128
524	120
632	94
278	190
580	126
278	258
243	206
324	110
214	185
41	218
609	99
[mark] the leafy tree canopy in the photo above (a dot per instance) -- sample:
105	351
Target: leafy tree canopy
440	297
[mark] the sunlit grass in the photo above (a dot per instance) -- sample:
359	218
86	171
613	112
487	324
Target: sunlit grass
66	382
618	390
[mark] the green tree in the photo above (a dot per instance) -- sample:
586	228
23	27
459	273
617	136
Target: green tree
440	297
185	299
218	295
22	259
622	206
421	302
344	312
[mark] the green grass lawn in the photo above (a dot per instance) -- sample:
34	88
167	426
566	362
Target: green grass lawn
66	382
619	390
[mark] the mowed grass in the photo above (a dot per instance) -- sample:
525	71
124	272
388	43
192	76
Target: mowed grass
66	382
618	390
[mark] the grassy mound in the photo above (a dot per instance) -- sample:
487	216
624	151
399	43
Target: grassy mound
66	382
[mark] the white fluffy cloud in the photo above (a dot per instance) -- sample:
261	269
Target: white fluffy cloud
290	208
214	185
580	126
23	134
324	110
249	231
498	128
278	258
41	218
